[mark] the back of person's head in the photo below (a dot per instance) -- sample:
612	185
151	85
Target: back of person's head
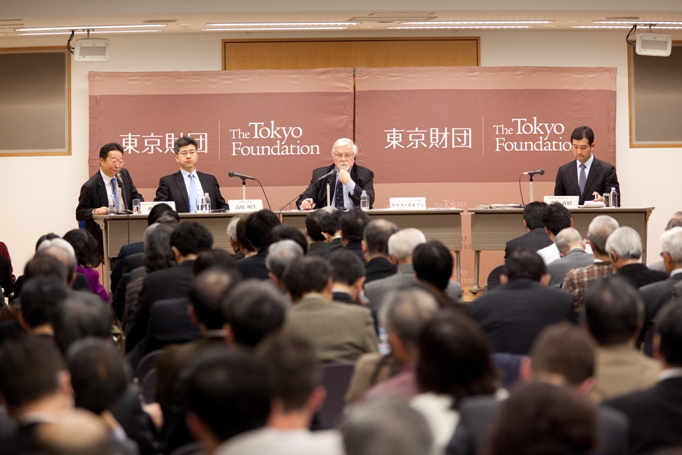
29	371
98	374
259	226
613	310
82	315
376	236
44	237
669	333
214	258
242	238
599	230
158	254
286	232
386	426
433	263
41	300
191	238
347	267
228	390
405	313
674	221
541	418
253	310
454	358
159	210
524	262
583	132
566	239
293	367
171	219
352	224
45	265
280	255
207	292
305	275
625	242
556	217
330	223
402	243
76	432
533	213
671	243
313	226
62	250
84	246
232	229
565	350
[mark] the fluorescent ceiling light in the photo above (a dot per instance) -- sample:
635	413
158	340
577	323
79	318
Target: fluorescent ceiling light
621	27
282	24
456	27
100	32
523	22
639	22
87	27
260	29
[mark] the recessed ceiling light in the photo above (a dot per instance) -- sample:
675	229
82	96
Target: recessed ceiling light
94	32
269	29
456	27
87	27
500	22
626	26
639	22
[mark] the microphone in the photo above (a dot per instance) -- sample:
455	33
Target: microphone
241	176
333	171
537	172
119	181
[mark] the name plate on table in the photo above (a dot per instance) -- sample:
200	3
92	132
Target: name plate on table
245	205
146	207
407	203
567	201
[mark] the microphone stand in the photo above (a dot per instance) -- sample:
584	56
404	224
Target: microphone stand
243	188
531	188
328	198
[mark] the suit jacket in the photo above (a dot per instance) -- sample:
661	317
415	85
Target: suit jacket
575	258
477	415
601	178
172	188
536	239
640	275
124	252
317	190
655	296
94	195
339	332
513	314
376	291
379	268
169	323
355	248
655	416
254	266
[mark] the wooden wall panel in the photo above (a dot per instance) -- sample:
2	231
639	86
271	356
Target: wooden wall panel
286	55
415	53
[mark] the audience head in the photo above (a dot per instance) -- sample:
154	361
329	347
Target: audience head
330	223
41	300
376	236
207	292
433	263
599	231
280	255
286	232
159	210
352	224
46	265
242	238
313	225
191	238
524	262
555	218
215	258
347	268
613	310
259	226
84	246
454	358
675	221
62	250
565	351
171	219
98	374
386	426
82	315
42	238
668	338
223	379
232	229
307	275
401	245
158	254
75	432
533	213
568	239
624	244
541	418
404	315
671	247
252	311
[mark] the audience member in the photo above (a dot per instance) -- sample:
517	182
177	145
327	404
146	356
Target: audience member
554	220
258	226
6	277
62	250
45	265
233	239
513	314
613	313
571	248
352	224
624	247
674	221
375	249
313	229
576	280
280	255
4	252
331	229
85	247
286	232
348	277
536	237
214	258
76	432
340	333
245	244
433	264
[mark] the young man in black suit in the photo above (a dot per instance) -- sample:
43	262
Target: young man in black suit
187	185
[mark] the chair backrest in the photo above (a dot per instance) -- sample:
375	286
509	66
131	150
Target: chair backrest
336	377
148	386
146	363
494	277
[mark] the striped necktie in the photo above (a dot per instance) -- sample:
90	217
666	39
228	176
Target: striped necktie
114	192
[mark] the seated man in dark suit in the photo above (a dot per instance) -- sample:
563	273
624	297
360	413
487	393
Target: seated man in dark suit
187	185
346	179
331	229
352	225
513	314
375	248
313	230
348	276
259	226
624	247
536	237
586	177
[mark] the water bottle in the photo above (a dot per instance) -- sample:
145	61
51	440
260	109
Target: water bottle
200	204
364	201
112	205
607	199
207	203
614	198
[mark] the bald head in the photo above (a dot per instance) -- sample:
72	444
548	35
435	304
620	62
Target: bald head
63	251
568	239
401	245
599	231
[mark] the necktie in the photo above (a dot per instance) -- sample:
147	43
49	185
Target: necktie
338	195
192	194
114	192
583	178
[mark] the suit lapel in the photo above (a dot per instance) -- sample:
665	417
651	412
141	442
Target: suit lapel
102	191
592	176
182	190
573	180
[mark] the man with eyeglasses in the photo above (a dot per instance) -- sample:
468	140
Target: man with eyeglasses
102	187
186	186
346	181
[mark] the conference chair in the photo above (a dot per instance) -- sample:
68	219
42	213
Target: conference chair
336	377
